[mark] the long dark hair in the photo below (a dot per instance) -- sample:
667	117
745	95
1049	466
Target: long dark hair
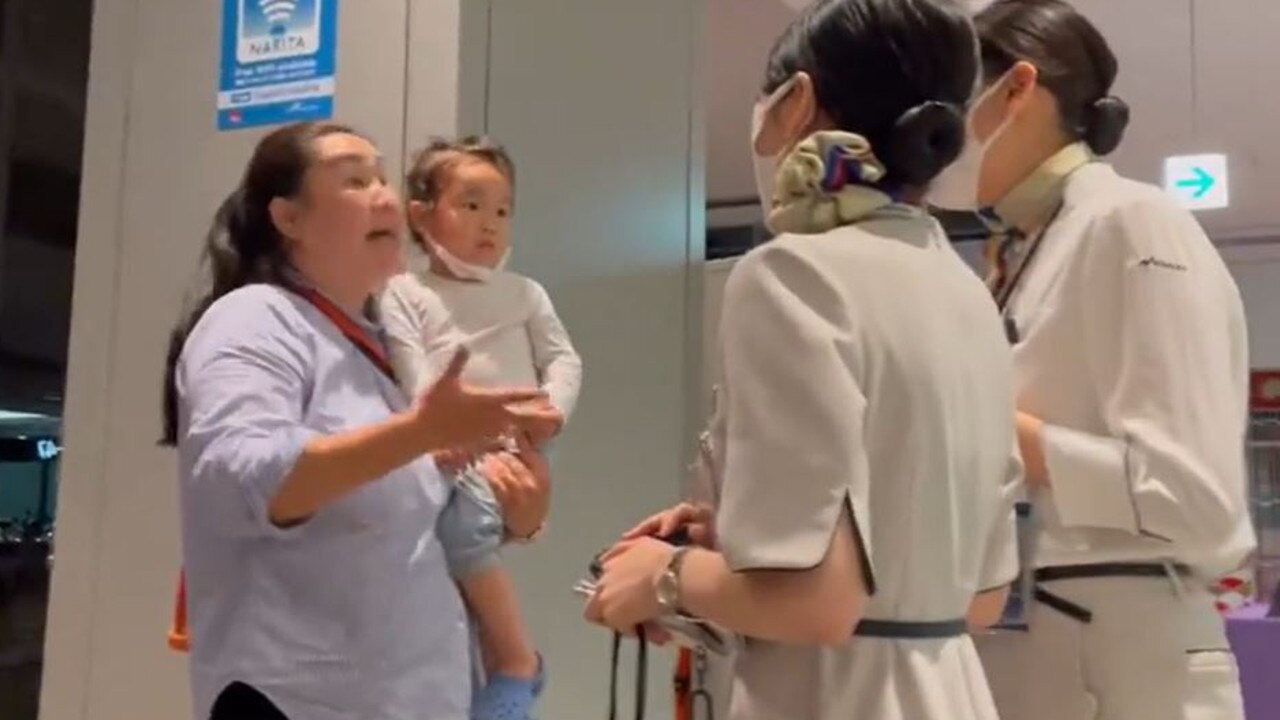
1074	61
897	72
243	246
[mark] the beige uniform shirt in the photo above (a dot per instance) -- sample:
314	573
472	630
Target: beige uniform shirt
1133	351
865	370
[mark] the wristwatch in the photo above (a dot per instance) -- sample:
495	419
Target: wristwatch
669	583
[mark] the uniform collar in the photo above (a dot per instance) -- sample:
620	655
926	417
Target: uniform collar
1030	203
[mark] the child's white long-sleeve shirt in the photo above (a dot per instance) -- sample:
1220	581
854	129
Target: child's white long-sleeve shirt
509	324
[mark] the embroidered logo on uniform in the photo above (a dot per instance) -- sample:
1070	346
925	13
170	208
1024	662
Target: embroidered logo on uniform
1162	264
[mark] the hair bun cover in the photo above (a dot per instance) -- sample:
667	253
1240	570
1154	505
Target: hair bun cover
1104	124
925	140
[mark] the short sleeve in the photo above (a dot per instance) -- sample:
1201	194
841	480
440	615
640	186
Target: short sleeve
421	336
244	380
794	455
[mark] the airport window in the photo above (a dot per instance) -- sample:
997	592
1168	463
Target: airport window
44	52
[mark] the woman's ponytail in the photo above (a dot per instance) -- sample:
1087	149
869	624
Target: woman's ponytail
228	271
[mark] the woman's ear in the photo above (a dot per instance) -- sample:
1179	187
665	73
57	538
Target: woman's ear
285	215
1021	86
798	111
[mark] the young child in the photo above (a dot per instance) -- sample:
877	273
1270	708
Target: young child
460	205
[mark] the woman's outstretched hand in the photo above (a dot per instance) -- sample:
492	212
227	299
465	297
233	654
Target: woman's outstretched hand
456	416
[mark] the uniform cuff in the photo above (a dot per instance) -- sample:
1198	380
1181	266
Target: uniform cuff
1090	479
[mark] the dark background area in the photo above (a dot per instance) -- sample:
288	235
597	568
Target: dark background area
44	58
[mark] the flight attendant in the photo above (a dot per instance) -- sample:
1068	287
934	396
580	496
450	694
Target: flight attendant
1131	375
864	443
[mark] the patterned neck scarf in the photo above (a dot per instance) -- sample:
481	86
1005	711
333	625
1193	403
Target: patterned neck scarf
826	182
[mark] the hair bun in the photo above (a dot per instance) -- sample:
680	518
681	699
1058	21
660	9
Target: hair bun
925	140
1104	124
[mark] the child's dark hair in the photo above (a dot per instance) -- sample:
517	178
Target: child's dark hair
433	163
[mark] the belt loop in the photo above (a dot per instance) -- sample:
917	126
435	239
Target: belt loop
1175	579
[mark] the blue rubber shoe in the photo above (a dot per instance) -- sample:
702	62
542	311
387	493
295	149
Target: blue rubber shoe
508	698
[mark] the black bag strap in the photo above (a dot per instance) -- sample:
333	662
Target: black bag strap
642	674
678	538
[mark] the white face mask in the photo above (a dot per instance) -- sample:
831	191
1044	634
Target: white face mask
766	166
468	271
957	186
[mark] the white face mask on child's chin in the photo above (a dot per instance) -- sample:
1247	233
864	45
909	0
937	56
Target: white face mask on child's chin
464	270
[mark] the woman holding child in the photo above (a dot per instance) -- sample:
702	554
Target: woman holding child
316	584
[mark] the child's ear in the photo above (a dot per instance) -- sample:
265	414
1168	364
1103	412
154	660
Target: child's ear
419	210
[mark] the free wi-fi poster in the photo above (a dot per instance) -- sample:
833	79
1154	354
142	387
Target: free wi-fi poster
278	62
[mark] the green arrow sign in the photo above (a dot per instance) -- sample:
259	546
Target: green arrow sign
1199	184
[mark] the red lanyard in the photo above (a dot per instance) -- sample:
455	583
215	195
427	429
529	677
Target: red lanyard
349	329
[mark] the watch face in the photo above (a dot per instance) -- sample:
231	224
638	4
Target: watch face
668	591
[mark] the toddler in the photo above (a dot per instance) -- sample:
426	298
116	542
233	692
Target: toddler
460	206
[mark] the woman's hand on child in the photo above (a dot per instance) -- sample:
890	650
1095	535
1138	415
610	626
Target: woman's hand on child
522	485
454	461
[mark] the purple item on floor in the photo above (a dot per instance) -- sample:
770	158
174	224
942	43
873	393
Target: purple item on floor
1255	640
